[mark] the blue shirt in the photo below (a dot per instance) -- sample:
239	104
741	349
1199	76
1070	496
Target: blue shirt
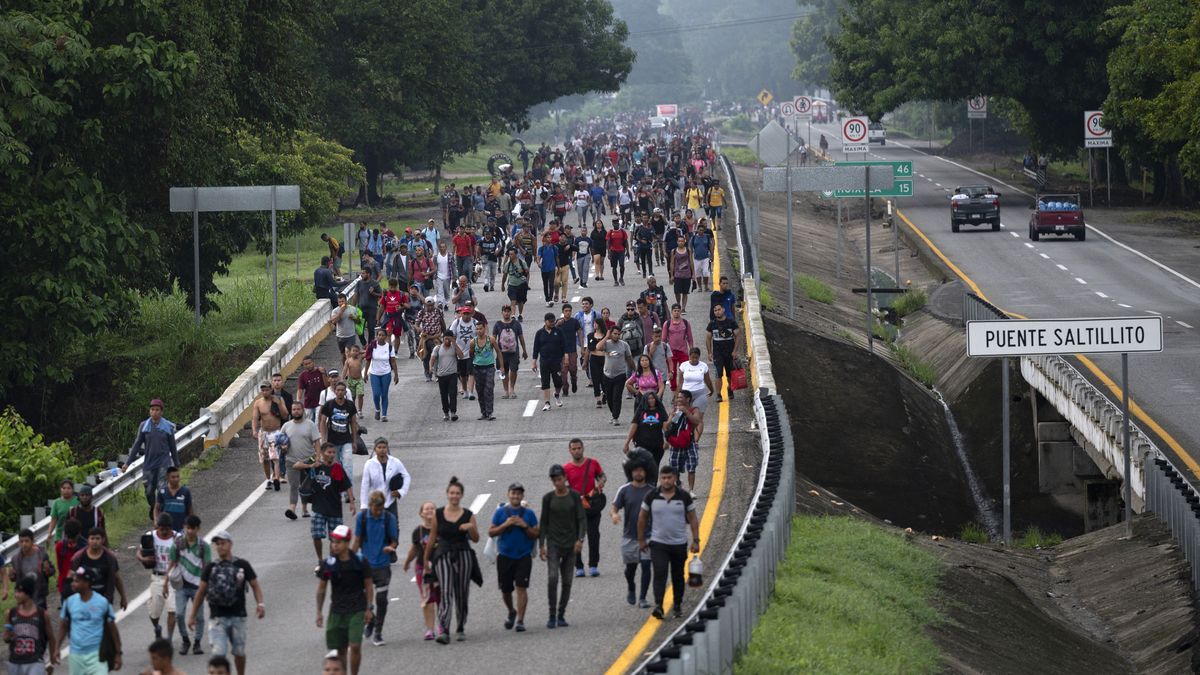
701	246
87	621
549	257
375	534
514	543
176	505
157	442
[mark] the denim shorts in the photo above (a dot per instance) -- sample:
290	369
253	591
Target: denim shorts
227	635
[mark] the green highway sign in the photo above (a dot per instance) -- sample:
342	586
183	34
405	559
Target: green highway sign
901	169
902	187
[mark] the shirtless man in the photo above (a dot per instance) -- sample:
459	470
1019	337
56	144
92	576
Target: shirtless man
352	371
267	418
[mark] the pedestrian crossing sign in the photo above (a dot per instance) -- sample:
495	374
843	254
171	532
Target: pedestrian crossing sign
765	97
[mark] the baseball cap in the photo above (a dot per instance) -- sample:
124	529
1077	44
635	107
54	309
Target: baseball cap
86	573
156	402
516	487
340	533
428	299
85	489
222	534
334	371
557	470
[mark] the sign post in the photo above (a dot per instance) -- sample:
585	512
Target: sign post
854	134
803	105
248	198
1095	135
1122	335
977	110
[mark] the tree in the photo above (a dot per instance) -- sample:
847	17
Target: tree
1154	89
1049	58
811	36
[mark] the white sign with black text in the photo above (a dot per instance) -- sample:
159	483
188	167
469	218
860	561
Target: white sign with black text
1064	336
854	134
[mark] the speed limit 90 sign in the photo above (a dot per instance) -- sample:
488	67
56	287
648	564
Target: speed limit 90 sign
854	134
1095	135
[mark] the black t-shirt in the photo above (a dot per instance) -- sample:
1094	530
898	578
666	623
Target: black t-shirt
490	249
105	568
449	536
644	236
722	334
346	579
238	608
570	331
286	397
598	240
329	482
340	415
369	294
565	249
649	432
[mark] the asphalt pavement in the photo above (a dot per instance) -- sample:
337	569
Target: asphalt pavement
486	456
1120	270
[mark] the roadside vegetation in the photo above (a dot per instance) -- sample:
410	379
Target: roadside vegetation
815	289
924	372
849	598
1034	537
910	302
973	533
740	155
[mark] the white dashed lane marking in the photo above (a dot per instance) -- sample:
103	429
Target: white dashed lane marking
1081	281
1183	324
1154	312
1026	243
1121	304
1101	294
1041	254
529	408
479	501
510	455
1061	267
1015	235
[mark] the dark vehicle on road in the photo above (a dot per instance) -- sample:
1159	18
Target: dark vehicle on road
974	205
1057	214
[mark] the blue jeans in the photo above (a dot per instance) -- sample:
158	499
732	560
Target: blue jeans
182	596
228	634
155	480
345	455
379	391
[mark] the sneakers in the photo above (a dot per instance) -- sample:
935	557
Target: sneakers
460	636
657	613
275	484
631	598
557	401
677	611
196	648
443	639
470	397
512	619
378	640
562	622
546	406
644	603
520	626
267	487
376	414
185	646
291	515
578	573
616	422
445	417
594	571
428	635
383	419
454	418
551	623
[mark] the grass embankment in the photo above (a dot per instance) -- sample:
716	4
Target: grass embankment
849	598
741	155
815	289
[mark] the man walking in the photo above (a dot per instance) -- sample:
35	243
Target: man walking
304	435
156	440
32	562
387	474
376	536
351	601
87	617
29	634
564	525
162	594
223	583
628	502
191	555
309	386
548	350
667	513
339	427
103	565
586	476
722	346
515	529
267	417
329	482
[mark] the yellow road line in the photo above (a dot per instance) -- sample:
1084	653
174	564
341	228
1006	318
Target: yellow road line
636	648
1111	385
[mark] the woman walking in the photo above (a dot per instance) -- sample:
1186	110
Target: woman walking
682	268
484	355
646	379
695	379
596	359
427	590
444	362
448	553
599	248
646	432
381	368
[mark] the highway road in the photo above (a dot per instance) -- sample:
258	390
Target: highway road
486	456
1115	272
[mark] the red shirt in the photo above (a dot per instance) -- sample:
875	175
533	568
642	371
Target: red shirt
394	301
617	239
312	383
582	477
464	245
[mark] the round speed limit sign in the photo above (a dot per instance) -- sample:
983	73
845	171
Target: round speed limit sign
854	134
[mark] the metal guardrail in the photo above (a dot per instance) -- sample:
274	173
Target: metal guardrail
216	423
1160	485
719	627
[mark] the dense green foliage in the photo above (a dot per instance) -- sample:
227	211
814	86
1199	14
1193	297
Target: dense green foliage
106	105
1042	64
849	598
30	469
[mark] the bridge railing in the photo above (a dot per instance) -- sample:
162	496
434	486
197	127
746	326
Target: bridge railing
1157	484
217	423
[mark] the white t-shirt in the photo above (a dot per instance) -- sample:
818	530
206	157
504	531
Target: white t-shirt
380	355
464	332
162	552
443	266
581	198
693	376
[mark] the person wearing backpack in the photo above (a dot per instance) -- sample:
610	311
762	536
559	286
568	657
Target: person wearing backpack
510	338
28	632
618	361
376	538
587	477
352	599
515	531
188	557
683	431
32	562
677	334
223	583
162	594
